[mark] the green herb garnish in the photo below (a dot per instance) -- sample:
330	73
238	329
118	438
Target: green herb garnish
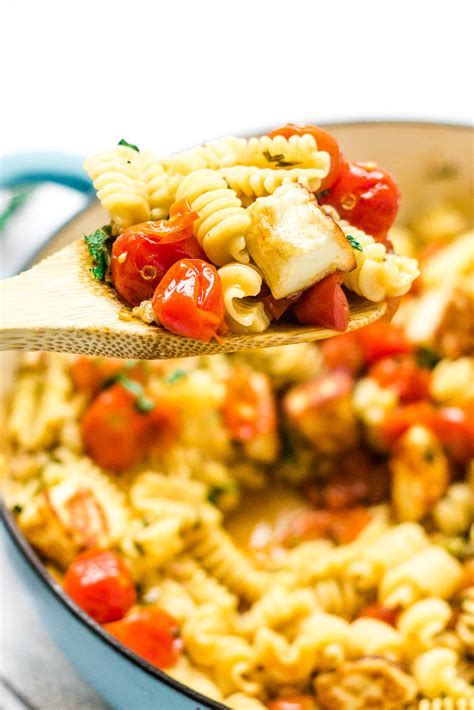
426	357
353	242
129	145
321	195
175	376
278	160
16	510
99	245
429	455
143	404
219	490
13	204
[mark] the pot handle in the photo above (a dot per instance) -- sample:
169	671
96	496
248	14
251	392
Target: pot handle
23	168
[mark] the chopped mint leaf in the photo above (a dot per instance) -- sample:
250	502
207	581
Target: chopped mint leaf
143	404
278	159
175	376
426	357
99	246
353	242
129	145
219	490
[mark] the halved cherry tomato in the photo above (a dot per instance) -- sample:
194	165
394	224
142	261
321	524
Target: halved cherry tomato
367	196
116	434
143	253
454	427
380	339
404	375
344	351
324	304
101	584
89	374
382	613
293	702
189	300
249	407
150	633
323	140
277	307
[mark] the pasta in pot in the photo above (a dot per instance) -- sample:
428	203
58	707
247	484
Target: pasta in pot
239	281
261	521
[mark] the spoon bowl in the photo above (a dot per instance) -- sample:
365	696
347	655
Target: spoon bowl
58	305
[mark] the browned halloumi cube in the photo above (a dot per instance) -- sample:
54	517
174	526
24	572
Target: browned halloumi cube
294	242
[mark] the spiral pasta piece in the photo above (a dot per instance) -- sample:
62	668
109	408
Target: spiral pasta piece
378	274
338	596
454	513
239	701
445	704
436	672
239	282
222	221
465	622
118	176
432	572
277	607
422	623
372	637
161	187
452	381
250	181
222	558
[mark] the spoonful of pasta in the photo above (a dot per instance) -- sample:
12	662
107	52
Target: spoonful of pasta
233	245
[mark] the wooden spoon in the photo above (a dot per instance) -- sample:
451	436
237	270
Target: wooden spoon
58	305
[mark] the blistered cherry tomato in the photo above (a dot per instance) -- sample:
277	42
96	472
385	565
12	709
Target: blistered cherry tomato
380	339
293	702
454	427
382	613
143	253
189	300
342	525
324	304
344	351
116	434
411	382
367	196
101	584
249	407
89	374
150	633
324	141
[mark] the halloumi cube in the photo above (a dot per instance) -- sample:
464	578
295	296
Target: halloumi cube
294	242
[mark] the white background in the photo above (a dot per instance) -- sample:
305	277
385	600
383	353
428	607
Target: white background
79	75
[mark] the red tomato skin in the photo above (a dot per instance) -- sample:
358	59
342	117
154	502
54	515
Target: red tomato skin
89	374
402	374
115	435
293	702
324	141
367	196
344	351
101	584
249	407
382	613
381	339
325	304
141	257
150	633
189	300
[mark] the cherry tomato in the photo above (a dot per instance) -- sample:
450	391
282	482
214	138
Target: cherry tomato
150	633
249	407
277	307
454	427
323	140
367	196
101	584
342	525
116	434
189	300
324	304
404	375
143	253
89	374
380	339
382	613
344	351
